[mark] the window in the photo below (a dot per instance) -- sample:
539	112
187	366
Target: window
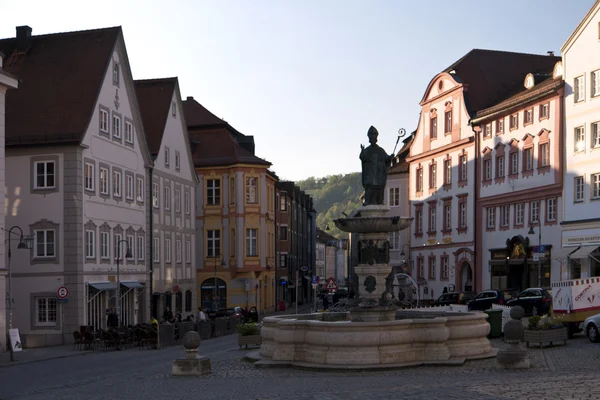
432	224
544	155
117	183
251	188
213	246
156	249
487	130
178	251
514	121
44	174
462	165
117	246
140	189
187	202
579	89
579	188
419	183
432	267
528	159
251	242
130	188
432	176
595	186
419	221
103	120
177	161
282	259
433	128
89	176
232	196
141	249
528	114
504	215
167	250
595	86
233	242
173	109
447	217
500	166
491	217
213	192
394	197
45	311
519	215
420	267
514	163
551	209
595	135
188	251
177	200
283	232
448	121
104	239
90	244
283	203
445	263
447	172
167	156
579	138
116	73
155	194
117	126
394	239
130	247
487	166
535	211
463	214
104	186
128	132
544	111
167	197
44	243
500	126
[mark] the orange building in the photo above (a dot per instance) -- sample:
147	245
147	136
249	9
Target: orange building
235	215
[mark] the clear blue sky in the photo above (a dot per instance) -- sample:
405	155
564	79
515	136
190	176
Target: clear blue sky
307	78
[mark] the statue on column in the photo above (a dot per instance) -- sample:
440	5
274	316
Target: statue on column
375	163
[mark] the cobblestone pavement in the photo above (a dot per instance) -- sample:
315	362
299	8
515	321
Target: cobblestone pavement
562	372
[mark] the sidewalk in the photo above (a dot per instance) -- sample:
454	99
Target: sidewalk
41	354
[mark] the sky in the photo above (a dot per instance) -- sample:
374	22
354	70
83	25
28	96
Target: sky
308	78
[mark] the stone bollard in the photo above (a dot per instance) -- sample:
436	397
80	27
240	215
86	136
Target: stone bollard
192	364
515	356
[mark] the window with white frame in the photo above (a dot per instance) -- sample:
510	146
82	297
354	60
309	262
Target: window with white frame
519	214
545	110
544	154
141	248
504	215
463	167
394	197
463	214
104	181
252	242
488	130
130	247
103	120
514	163
500	126
117	246
419	221
213	243
529	116
167	156
394	240
595	86
155	194
156	249
579	89
447	217
46	311
579	138
104	245
213	192
117	126
89	176
128	132
447	172
432	176
139	189
167	196
500	161
283	259
130	187
188	251
491	217
187	202
595	186
45	244
535	211
528	159
579	184
115	73
432	267
251	190
551	209
45	173
432	218
117	177
167	250
178	251
487	164
595	135
445	262
513	121
420	267
419	185
177	200
283	203
90	243
177	161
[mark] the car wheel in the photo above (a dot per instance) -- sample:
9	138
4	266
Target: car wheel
592	333
534	311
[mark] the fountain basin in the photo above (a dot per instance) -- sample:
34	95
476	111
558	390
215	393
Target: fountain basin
310	341
372	224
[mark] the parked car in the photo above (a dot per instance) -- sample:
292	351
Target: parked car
485	299
454	298
535	301
236	312
591	326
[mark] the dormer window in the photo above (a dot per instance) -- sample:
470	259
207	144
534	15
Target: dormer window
529	81
115	73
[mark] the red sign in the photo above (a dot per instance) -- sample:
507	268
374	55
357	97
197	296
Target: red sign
62	292
331	284
176	289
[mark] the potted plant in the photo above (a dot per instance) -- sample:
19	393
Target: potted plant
544	330
249	334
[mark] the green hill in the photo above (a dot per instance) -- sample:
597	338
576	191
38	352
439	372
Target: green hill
333	195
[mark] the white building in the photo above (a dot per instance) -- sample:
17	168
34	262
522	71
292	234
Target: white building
79	162
581	219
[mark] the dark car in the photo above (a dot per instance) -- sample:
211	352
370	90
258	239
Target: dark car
484	300
235	312
454	298
535	301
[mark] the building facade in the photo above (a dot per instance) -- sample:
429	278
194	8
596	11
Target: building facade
519	144
79	184
174	182
581	221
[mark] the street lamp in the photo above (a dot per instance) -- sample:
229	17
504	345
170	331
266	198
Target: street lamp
215	287
402	254
118	293
22	245
532	232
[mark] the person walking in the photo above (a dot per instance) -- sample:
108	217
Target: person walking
201	315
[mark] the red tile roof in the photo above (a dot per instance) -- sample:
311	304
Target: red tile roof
60	79
196	115
217	147
154	97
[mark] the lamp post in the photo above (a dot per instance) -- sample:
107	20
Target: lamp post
215	287
532	232
118	291
22	245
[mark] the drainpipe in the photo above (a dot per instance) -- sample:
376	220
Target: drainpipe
149	207
475	204
277	209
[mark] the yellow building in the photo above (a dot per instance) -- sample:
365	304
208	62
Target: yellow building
235	215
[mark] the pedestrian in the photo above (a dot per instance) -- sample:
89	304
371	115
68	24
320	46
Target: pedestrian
168	315
201	315
325	302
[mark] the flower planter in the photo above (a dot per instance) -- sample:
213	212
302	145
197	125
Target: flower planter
548	337
251	340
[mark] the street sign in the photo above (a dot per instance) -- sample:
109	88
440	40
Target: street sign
314	285
314	280
304	268
536	257
331	284
542	249
62	292
62	300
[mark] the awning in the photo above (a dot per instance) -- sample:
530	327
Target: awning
583	252
132	284
562	253
103	285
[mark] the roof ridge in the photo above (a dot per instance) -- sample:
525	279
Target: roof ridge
155	80
454	64
118	27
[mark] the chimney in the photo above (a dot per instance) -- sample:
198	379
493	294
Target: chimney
189	98
23	37
551	53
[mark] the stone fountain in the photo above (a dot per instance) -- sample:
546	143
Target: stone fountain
374	333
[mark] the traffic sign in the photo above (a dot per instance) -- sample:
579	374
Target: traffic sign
331	284
314	280
304	268
314	285
542	249
62	292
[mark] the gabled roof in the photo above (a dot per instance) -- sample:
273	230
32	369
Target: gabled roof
490	75
217	147
582	24
154	97
60	79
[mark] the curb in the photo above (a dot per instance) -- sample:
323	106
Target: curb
16	363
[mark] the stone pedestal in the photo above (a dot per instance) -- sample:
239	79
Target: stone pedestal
515	356
192	364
